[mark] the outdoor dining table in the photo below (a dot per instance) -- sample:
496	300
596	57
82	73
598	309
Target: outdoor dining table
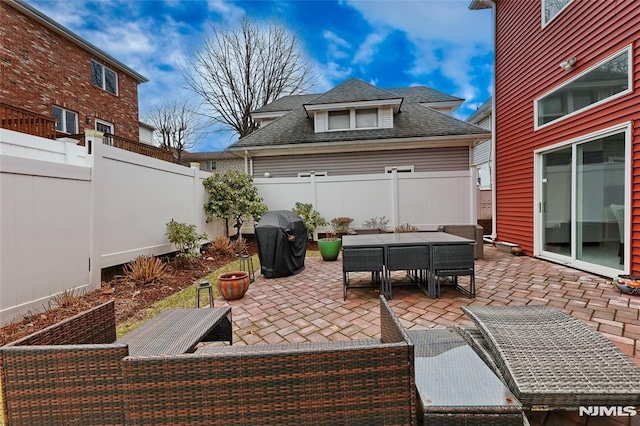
410	239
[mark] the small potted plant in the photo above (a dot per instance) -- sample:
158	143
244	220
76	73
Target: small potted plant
329	247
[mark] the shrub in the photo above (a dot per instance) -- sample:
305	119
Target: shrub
341	224
309	216
144	269
232	195
185	238
221	246
376	222
224	246
67	299
406	227
240	246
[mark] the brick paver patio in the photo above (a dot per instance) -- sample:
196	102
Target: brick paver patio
309	305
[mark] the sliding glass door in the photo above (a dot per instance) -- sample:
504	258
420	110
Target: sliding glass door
582	193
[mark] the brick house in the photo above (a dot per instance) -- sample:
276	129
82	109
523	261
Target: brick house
567	139
48	70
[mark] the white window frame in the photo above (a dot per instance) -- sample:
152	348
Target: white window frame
543	3
308	174
399	169
104	79
64	119
536	101
106	123
626	128
352	119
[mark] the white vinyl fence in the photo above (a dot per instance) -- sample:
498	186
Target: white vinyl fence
67	211
425	199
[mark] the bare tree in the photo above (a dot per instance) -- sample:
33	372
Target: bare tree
238	70
176	126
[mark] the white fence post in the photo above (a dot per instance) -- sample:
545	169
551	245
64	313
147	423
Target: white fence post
395	202
93	144
314	192
195	168
474	194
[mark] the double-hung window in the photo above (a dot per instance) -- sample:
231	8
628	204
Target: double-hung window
355	118
607	80
104	78
66	121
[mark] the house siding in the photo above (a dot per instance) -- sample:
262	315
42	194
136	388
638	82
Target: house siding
527	66
40	68
351	163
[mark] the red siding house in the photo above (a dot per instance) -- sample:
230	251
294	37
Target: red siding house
48	70
567	131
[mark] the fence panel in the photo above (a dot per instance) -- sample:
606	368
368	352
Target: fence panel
422	199
64	210
44	233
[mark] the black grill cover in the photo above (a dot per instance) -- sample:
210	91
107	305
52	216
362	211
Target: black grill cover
281	239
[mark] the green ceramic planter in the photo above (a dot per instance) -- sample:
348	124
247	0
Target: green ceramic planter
329	248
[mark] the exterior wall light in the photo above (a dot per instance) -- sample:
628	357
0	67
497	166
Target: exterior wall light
569	63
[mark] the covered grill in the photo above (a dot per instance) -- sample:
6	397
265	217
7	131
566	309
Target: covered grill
281	239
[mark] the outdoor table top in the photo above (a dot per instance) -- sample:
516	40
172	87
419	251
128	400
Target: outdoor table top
451	378
403	238
174	331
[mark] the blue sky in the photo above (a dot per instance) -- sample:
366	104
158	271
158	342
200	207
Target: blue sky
436	43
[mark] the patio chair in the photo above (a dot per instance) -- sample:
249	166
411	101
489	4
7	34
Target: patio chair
414	259
551	360
453	261
356	259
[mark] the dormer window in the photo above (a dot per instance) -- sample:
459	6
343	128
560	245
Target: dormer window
365	118
339	120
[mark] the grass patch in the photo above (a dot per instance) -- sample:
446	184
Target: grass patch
182	299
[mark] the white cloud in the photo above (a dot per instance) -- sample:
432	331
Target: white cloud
368	48
228	11
444	35
337	48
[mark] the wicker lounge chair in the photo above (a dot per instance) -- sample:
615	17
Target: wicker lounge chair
551	360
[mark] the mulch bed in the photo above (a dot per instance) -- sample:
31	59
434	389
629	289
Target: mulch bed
130	299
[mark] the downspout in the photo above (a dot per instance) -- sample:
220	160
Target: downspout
246	162
492	158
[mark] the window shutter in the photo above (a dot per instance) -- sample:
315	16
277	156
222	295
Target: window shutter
320	118
386	121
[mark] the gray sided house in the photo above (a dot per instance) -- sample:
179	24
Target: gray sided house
215	161
357	128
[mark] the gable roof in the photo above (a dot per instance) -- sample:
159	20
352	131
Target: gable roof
414	121
353	90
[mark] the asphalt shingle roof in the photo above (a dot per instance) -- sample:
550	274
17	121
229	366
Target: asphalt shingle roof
414	120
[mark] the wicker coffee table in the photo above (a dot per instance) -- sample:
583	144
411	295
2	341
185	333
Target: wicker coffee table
178	331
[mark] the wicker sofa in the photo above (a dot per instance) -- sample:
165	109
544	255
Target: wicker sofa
70	374
326	383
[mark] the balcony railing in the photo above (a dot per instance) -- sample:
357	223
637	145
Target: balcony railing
24	121
138	147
